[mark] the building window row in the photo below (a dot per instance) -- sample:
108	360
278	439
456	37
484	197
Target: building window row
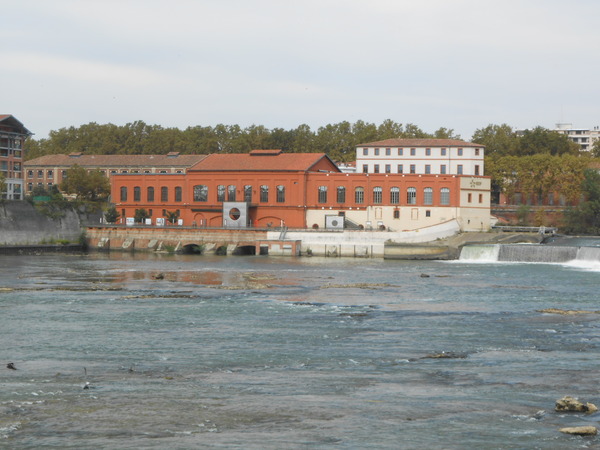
413	151
394	195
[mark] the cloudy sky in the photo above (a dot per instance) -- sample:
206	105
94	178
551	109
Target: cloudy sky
460	64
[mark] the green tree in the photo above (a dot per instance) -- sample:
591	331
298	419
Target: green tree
141	215
498	140
112	215
89	186
585	218
172	216
542	140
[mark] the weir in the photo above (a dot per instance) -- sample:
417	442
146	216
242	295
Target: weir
528	253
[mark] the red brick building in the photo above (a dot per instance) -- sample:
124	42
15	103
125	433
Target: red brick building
12	140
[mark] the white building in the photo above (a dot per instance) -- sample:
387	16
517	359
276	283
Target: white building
420	156
582	136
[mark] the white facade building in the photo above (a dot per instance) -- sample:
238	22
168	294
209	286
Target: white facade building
421	156
582	136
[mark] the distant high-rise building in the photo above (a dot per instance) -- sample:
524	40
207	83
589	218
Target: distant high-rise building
585	137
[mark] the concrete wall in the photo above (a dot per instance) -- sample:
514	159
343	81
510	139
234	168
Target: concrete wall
22	224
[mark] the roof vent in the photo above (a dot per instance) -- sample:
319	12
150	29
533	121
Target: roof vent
172	154
265	152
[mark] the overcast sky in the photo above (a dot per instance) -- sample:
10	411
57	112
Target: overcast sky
460	64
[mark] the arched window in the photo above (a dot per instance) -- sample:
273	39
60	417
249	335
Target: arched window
200	193
322	194
341	194
164	194
178	193
221	193
264	193
137	194
411	196
395	195
280	194
377	195
359	195
231	193
428	196
150	193
445	196
123	193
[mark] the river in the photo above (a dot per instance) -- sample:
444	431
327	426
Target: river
180	351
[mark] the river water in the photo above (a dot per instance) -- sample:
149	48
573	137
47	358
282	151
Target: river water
183	351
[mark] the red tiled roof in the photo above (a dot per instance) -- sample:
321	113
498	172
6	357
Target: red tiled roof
263	161
420	143
116	160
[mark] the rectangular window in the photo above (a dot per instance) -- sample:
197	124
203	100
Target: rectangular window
377	195
476	169
427	152
428	196
443	152
444	196
359	195
221	193
178	193
400	151
137	194
280	194
341	194
427	169
411	196
388	168
365	151
469	197
480	198
150	194
164	194
248	193
413	151
322	194
443	169
459	169
427	213
200	193
388	151
395	195
396	214
460	152
50	174
264	193
413	168
400	168
376	152
365	168
476	152
231	193
376	168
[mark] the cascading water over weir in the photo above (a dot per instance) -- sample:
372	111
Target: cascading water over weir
528	253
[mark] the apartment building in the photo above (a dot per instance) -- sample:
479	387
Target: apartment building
421	157
12	141
585	137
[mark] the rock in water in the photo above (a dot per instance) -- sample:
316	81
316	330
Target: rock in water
11	366
571	404
580	431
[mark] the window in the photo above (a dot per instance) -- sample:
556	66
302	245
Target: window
137	194
50	173
459	169
476	169
400	168
427	169
365	151
248	193
476	152
388	168
221	193
377	195
460	152
411	196
376	152
123	171
427	213
178	193
469	197
444	196
443	152
231	193
376	168
201	193
123	193
413	168
396	214
427	152
280	194
413	151
341	194
400	151
322	194
264	193
40	174
443	169
388	151
30	173
150	194
359	195
480	198
428	196
365	168
395	195
164	194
